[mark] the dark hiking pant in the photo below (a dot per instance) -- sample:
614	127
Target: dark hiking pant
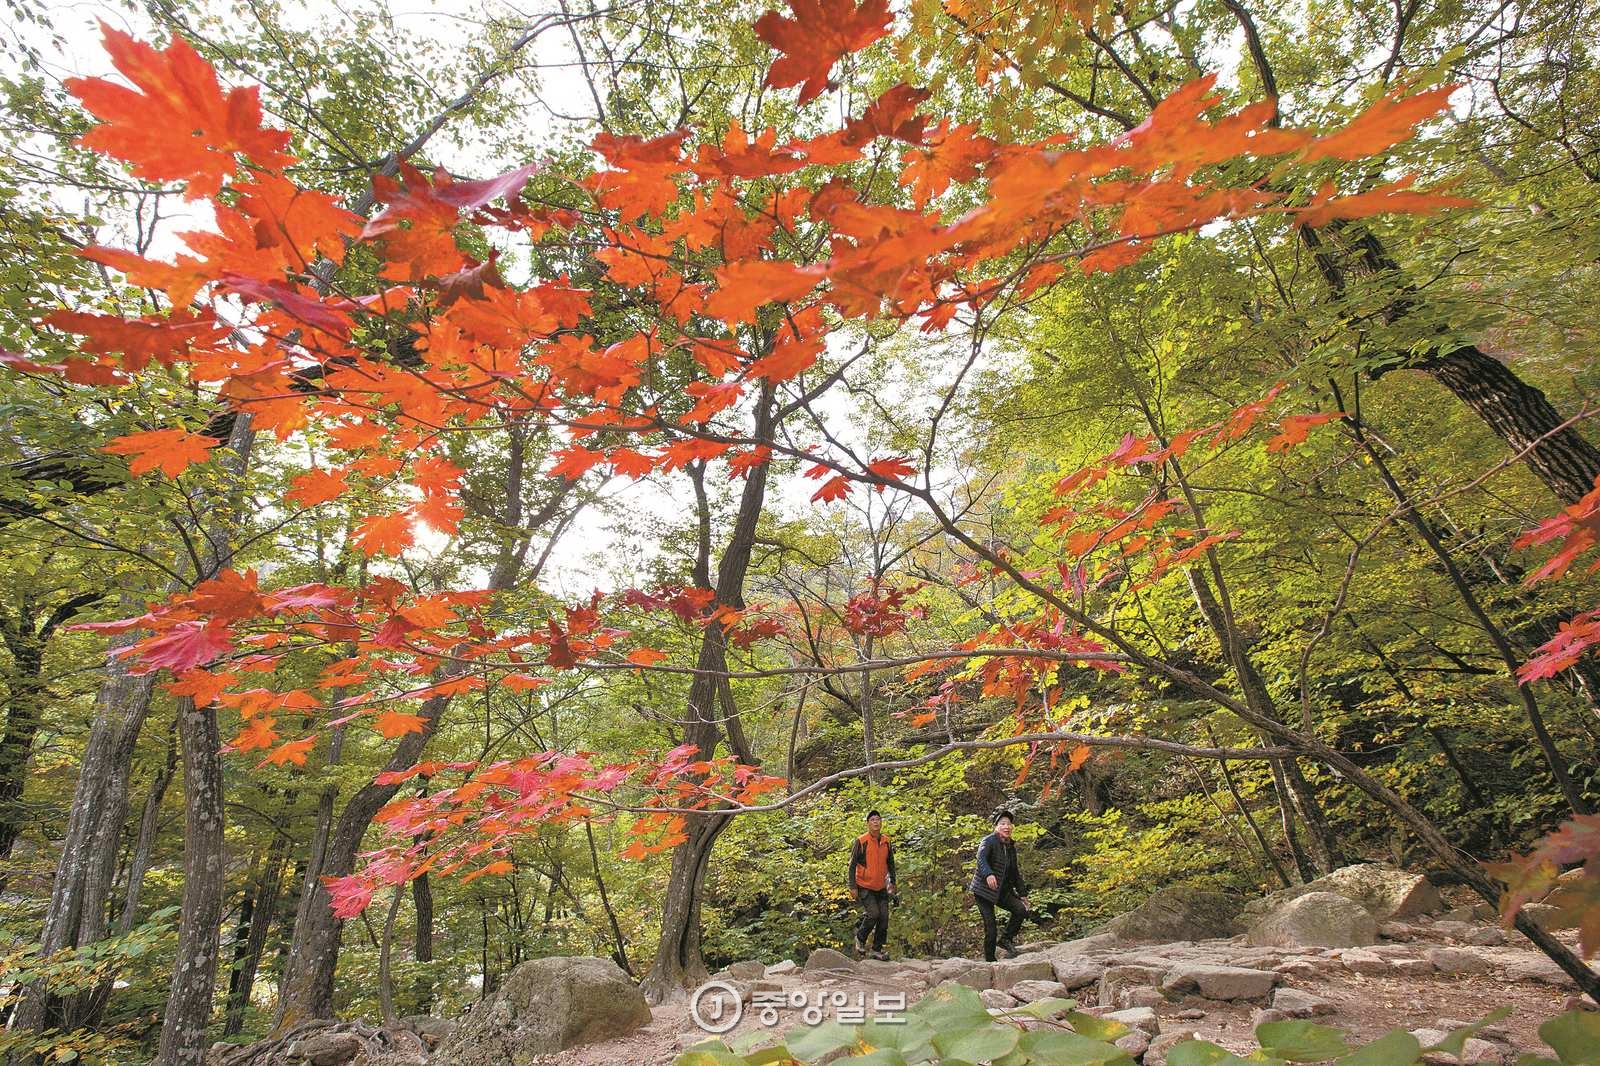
1013	924
874	917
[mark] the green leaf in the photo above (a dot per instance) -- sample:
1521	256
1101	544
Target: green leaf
1055	1048
1047	1008
951	1006
1095	1028
818	1040
1301	1041
1205	1053
709	1053
1575	1036
1397	1048
909	1037
883	1056
977	1044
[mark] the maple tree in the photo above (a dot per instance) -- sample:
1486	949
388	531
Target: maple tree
739	260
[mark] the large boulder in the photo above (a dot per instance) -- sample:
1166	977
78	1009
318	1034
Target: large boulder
1179	913
1385	891
546	1006
1316	919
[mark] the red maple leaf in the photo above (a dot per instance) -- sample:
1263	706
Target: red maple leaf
317	486
172	451
176	124
185	646
820	34
386	534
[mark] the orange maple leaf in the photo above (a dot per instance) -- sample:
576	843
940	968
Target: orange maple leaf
820	34
317	486
1380	127
394	724
294	751
386	534
176	124
172	451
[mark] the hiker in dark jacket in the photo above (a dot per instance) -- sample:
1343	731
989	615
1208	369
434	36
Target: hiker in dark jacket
998	882
871	884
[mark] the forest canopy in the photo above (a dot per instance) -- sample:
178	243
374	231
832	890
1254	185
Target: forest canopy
495	484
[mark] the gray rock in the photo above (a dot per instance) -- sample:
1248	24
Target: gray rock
326	1049
1263	1015
1411	967
1487	936
1077	971
778	969
973	974
434	1031
1192	1014
1296	1003
1135	1043
746	970
1119	981
1386	892
1028	991
1316	919
1538	969
1458	960
994	999
829	959
1141	1018
1099	943
1142	996
1179	913
1299	968
1450	930
1220	982
1156	1053
545	1006
1360	960
1012	971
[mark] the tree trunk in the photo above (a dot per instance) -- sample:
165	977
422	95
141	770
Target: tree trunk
306	990
422	903
188	1006
23	709
75	916
261	903
678	964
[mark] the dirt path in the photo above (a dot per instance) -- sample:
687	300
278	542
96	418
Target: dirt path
1399	983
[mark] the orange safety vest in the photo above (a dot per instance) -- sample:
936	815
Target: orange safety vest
873	871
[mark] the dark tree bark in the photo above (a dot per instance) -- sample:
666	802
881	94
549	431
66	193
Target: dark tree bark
255	922
26	638
188	1006
422	949
678	963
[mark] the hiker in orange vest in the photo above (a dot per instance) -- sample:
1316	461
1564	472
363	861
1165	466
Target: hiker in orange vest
871	884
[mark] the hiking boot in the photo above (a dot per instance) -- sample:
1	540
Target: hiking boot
879	954
861	948
1008	949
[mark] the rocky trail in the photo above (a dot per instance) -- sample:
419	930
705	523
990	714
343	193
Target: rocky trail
1367	950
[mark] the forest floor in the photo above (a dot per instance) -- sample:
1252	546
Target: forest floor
1399	983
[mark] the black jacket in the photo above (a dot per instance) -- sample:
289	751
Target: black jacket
997	857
